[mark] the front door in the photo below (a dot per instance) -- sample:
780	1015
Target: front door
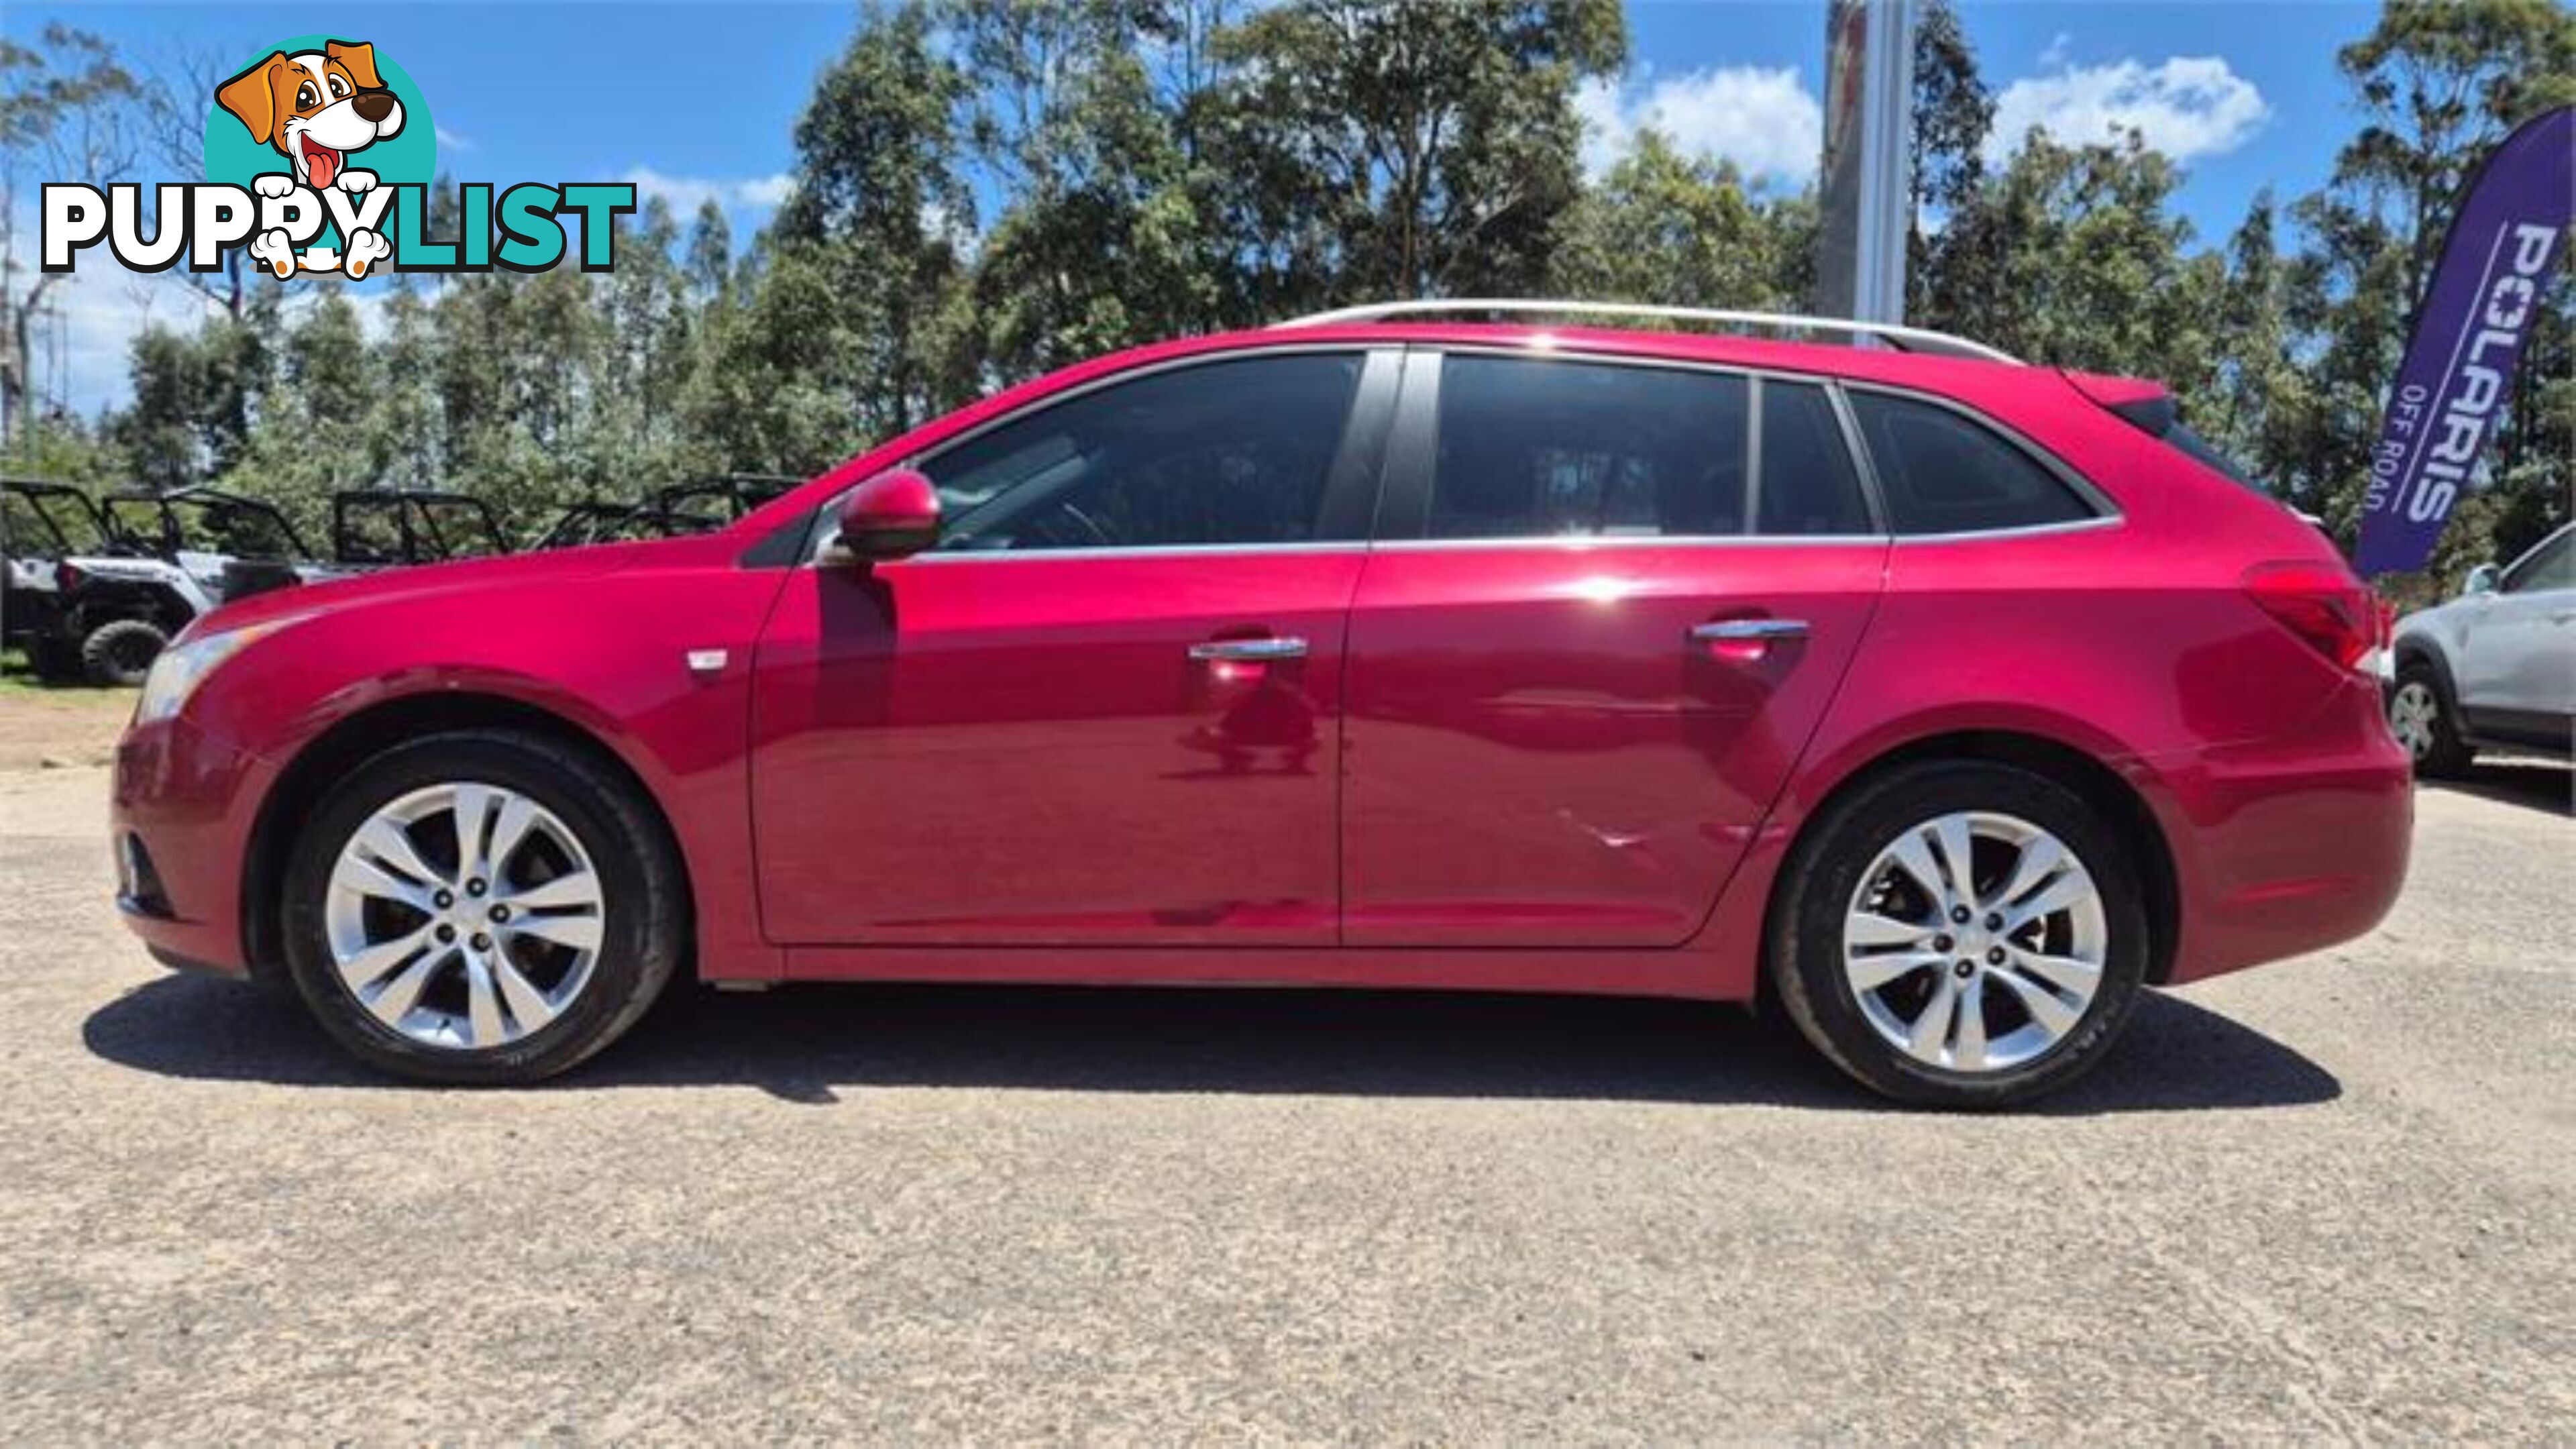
2518	656
1105	710
1611	606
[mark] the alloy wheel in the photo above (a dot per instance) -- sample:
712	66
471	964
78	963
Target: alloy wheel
1975	942
464	916
2411	716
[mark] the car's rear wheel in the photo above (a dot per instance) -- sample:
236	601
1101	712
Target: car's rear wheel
482	908
2420	715
1961	934
55	660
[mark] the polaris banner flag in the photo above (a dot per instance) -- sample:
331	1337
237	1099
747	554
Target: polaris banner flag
2458	374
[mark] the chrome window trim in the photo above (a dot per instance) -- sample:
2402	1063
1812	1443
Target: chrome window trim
1591	542
822	533
1533	352
2028	530
2107	511
1176	550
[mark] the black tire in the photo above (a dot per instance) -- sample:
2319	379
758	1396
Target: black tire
2443	753
55	660
1824	875
645	916
121	651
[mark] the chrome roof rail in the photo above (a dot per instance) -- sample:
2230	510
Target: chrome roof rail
1904	339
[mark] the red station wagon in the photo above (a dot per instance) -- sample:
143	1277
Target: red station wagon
1945	700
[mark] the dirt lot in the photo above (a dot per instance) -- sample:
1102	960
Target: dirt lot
49	728
2325	1200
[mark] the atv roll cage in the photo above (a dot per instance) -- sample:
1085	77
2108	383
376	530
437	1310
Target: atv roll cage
373	527
731	494
203	520
702	506
52	521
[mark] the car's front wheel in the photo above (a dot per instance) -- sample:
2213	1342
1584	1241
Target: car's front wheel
1960	934
482	908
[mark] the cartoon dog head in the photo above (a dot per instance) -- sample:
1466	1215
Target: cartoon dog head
315	106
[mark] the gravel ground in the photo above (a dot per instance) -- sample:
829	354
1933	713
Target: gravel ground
58	728
2329	1199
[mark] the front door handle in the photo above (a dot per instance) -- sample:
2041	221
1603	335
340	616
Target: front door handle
1736	631
1249	651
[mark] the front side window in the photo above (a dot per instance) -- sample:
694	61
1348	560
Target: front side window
1552	449
1942	472
1233	452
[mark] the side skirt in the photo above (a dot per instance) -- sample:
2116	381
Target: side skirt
1671	973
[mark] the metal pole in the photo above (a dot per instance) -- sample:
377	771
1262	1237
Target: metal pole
1866	182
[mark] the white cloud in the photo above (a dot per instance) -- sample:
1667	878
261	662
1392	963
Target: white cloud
451	141
686	194
1765	121
766	190
2187	107
85	326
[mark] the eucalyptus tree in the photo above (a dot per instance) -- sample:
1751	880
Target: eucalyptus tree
1662	227
1378	149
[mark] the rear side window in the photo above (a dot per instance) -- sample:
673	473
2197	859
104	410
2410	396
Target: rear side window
1809	485
2160	417
1942	472
1547	449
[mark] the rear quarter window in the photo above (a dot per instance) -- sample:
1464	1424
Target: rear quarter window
1944	472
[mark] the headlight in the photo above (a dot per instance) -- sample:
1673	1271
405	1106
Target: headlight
178	670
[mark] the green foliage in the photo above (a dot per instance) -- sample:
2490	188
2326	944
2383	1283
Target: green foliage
1679	231
988	189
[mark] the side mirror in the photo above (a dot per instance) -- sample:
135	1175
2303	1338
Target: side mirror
2481	580
892	515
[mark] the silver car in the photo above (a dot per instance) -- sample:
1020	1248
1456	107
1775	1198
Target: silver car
2494	668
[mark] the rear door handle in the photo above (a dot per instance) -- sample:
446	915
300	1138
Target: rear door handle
1249	651
1748	630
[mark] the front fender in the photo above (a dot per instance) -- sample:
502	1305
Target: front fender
606	654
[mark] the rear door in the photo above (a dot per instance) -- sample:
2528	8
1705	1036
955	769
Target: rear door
1607	607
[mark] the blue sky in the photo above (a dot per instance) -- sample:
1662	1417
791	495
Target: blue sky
2244	94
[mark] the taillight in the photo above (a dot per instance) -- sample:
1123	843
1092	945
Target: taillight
67	577
2322	603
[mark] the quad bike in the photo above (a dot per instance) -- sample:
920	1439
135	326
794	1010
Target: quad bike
135	568
85	597
41	525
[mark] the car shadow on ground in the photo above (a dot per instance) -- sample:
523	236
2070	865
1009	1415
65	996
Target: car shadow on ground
2536	784
802	1044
